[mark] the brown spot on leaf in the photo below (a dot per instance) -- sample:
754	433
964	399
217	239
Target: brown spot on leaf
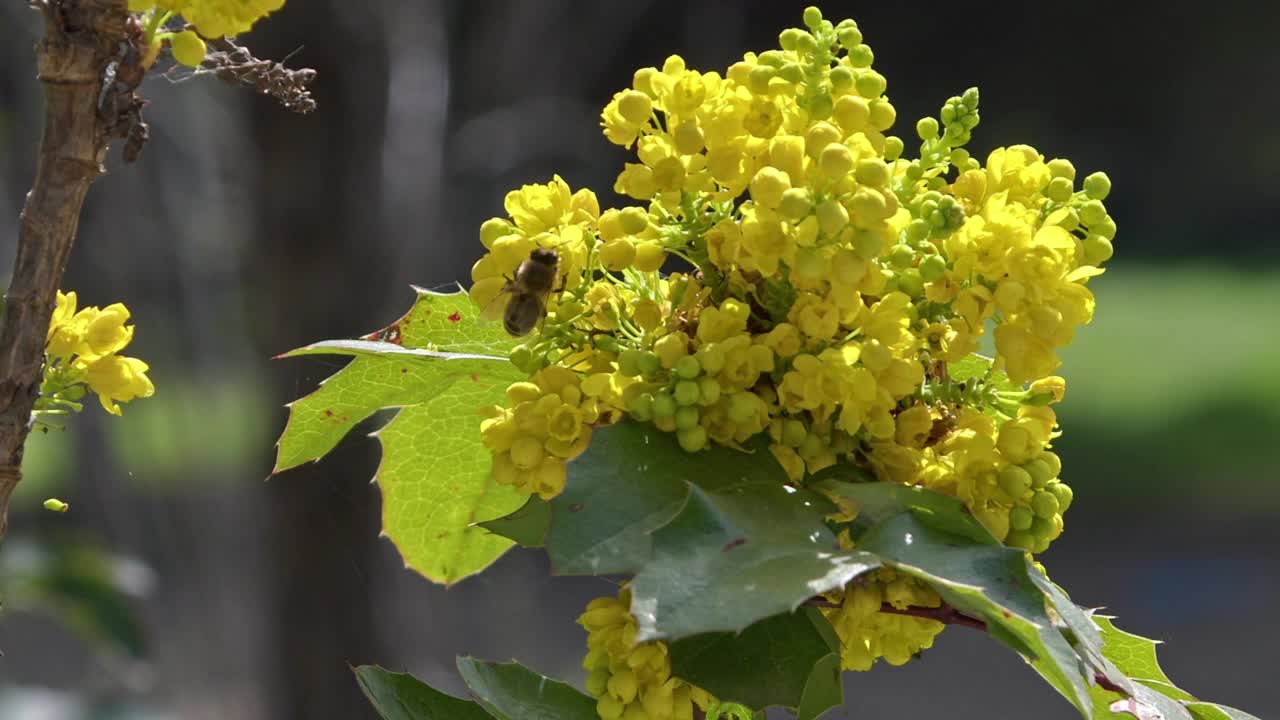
575	507
737	542
455	317
475	377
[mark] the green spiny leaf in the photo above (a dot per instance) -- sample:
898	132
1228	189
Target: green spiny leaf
400	696
736	555
632	480
439	364
435	484
510	691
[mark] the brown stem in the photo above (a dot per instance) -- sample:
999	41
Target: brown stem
82	49
944	614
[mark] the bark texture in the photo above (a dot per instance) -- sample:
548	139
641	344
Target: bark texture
83	66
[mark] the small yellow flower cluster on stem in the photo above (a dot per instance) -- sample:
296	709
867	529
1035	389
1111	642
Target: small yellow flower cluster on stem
632	681
207	18
867	634
82	349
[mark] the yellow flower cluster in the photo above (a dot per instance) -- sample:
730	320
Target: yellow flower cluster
827	287
546	423
82	348
630	681
868	634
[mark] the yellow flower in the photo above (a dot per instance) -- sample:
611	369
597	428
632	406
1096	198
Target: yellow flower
105	331
118	379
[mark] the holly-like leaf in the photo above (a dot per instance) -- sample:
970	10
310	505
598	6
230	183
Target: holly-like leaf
632	480
735	555
876	502
527	527
1154	692
438	364
785	660
937	541
400	696
510	691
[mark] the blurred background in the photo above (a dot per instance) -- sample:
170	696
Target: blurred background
184	585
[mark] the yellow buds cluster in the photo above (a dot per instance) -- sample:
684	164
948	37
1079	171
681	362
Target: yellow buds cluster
868	633
632	681
82	347
545	423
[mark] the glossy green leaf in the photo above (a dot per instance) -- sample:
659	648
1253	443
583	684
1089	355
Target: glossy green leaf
782	661
876	502
510	691
632	480
438	364
1154	692
935	539
527	526
400	696
735	555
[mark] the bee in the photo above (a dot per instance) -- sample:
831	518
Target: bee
534	281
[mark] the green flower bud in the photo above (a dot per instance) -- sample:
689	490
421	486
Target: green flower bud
1062	168
1014	481
693	439
1044	503
1097	186
709	388
787	39
902	256
860	56
56	505
1060	189
1106	228
849	37
1039	471
687	393
933	268
910	282
1097	249
649	363
688	367
687	417
796	203
926	128
893	147
1093	212
1053	462
1063	492
870	84
1021	517
841	77
492	229
634	220
640	407
791	72
664	405
812	17
1020	539
629	362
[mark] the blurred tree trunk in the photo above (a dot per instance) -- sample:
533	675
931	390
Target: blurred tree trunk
314	269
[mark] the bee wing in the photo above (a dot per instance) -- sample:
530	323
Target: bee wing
491	295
